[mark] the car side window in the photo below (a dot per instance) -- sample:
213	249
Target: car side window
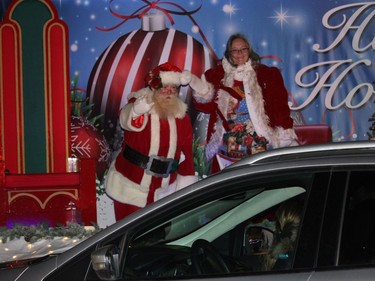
221	236
358	234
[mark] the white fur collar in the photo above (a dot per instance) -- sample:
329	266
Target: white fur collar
253	94
239	73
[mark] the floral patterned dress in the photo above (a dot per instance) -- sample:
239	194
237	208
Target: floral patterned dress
241	140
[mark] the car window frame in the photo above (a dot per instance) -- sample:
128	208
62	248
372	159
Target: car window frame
328	258
136	228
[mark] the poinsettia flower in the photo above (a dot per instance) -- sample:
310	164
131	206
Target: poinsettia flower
156	83
248	140
238	127
261	140
153	80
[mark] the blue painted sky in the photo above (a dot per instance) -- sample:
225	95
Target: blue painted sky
286	29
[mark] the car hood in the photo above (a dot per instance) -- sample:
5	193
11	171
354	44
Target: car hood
11	273
10	270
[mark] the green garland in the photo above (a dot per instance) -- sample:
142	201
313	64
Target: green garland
34	233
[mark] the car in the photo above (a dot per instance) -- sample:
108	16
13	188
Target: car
296	213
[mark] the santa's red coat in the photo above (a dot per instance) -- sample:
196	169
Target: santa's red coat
170	138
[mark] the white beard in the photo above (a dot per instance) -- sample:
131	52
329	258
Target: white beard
172	108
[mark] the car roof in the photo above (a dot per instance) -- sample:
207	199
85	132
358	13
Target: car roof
308	152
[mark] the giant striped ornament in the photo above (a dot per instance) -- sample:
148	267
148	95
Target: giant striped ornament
121	68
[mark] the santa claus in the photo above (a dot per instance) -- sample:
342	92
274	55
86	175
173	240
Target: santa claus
157	157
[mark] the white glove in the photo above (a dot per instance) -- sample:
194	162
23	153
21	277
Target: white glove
141	107
199	85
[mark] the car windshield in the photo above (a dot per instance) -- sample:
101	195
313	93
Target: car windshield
192	220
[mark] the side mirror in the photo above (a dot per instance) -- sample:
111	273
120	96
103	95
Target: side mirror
106	262
259	239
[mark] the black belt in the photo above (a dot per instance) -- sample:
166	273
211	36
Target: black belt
157	166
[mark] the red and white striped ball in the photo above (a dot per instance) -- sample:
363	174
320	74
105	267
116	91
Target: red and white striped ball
122	67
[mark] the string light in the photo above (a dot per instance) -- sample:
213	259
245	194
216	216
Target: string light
15	247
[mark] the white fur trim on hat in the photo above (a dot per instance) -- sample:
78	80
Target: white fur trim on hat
175	78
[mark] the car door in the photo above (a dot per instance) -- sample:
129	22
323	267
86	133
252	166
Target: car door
347	246
193	237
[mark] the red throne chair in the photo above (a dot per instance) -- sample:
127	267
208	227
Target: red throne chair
313	134
36	183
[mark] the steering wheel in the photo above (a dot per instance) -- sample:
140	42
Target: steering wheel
206	259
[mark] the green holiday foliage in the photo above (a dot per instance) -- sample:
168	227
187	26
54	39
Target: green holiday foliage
41	231
100	190
81	105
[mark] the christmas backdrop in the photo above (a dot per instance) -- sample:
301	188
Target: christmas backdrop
324	48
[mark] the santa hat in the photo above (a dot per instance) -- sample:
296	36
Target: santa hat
166	74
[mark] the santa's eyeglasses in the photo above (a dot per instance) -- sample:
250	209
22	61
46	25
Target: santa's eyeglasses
168	89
